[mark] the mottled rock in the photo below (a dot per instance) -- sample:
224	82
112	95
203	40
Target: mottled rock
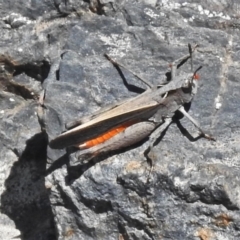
58	47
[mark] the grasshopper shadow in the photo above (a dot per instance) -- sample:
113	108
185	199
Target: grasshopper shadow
185	132
130	87
176	119
77	170
25	199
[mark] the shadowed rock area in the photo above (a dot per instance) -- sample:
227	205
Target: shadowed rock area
53	71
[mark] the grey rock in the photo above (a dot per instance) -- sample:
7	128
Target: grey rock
58	47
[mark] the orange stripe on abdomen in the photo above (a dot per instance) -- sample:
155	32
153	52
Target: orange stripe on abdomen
105	136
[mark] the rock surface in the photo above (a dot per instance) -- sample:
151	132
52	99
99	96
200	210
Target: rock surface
58	46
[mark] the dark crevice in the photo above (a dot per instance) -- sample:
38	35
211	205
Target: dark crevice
96	7
122	231
17	88
68	204
9	69
38	71
57	75
97	205
61	13
128	18
134	184
102	8
66	201
221	199
134	223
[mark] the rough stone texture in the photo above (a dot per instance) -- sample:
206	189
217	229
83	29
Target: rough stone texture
58	46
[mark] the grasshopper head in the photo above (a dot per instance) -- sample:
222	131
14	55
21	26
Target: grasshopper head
191	83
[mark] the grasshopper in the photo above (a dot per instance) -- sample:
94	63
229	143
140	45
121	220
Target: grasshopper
129	122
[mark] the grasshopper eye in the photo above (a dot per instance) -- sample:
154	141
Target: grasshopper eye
196	76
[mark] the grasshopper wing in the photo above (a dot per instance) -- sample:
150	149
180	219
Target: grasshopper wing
135	109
